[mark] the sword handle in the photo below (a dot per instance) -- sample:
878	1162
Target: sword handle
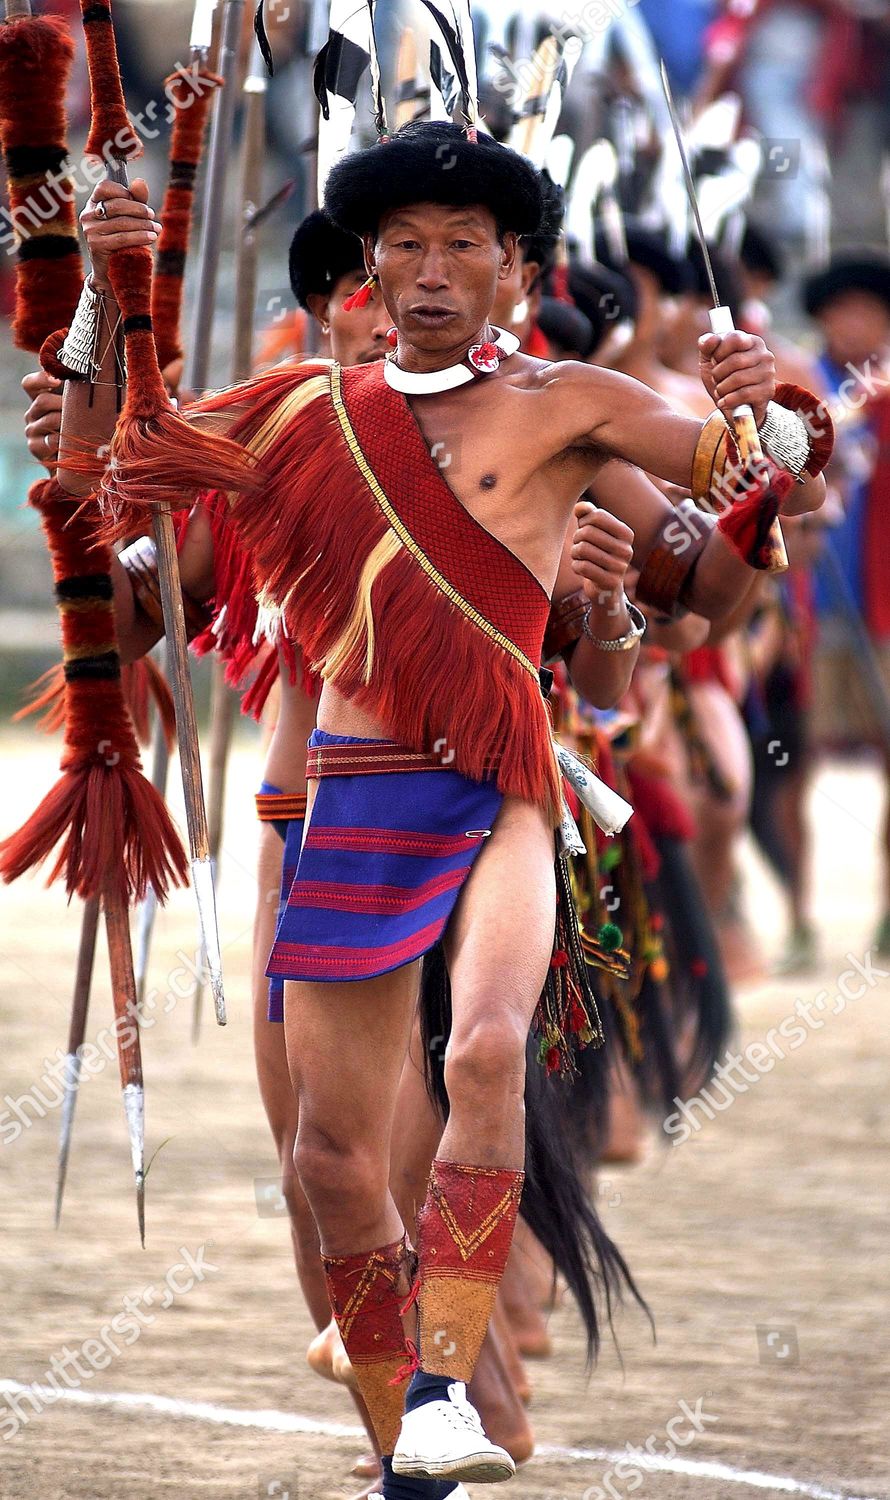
748	440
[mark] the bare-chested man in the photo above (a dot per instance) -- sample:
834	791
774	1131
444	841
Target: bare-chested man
433	786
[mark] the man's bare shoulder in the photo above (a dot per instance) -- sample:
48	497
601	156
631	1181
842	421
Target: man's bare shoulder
582	397
569	377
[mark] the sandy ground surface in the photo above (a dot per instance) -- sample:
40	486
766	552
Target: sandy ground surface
761	1242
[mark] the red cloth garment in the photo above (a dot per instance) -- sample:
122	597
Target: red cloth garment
709	664
394	592
876	541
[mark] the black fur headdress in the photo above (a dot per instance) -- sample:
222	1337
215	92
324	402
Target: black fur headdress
434	161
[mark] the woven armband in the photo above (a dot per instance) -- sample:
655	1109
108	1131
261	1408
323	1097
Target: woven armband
794	401
140	563
666	575
564	624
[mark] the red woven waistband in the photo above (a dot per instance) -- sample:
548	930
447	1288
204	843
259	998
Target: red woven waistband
374	757
272	807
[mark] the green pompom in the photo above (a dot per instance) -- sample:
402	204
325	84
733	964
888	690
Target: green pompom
610	936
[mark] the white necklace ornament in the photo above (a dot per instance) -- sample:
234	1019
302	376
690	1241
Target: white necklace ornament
481	359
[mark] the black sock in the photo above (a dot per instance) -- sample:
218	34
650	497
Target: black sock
424	1388
400	1487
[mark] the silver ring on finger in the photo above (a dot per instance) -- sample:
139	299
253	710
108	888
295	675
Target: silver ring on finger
48	439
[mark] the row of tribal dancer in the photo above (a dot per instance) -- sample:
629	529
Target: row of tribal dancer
453	551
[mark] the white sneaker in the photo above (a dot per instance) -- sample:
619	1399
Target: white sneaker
444	1440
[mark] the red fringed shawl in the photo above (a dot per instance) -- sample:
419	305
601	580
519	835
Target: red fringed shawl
395	593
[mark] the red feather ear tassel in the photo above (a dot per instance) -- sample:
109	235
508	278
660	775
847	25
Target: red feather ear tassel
113	830
35	59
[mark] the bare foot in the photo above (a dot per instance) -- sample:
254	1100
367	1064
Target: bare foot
516	1372
342	1365
328	1358
498	1403
320	1354
522	1327
366	1467
625	1137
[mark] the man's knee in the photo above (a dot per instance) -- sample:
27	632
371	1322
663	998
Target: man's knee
335	1170
485	1061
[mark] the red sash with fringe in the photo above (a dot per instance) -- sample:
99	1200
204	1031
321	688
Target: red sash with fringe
395	593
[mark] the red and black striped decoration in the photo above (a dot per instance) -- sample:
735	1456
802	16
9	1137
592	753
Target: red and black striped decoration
112	829
191	92
36	53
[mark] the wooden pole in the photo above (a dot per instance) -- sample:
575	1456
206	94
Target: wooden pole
76	1031
129	1051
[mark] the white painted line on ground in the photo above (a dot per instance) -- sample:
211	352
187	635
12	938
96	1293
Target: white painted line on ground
285	1422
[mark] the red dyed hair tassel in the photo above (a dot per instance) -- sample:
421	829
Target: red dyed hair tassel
362	296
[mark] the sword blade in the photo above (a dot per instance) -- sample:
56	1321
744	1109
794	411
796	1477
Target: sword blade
690	184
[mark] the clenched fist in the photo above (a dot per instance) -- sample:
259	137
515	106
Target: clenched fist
114	218
602	549
737	369
43	419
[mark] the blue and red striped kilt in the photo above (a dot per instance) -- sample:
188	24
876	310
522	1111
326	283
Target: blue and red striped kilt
381	867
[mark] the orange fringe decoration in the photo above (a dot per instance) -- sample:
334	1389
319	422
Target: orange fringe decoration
113	832
365	612
156	456
48	700
143	683
36	53
191	92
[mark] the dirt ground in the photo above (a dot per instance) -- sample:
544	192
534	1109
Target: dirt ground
761	1242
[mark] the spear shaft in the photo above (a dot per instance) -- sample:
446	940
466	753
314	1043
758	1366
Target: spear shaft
221	132
129	1051
245	281
76	1032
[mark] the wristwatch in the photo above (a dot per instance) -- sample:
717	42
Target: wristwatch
624	642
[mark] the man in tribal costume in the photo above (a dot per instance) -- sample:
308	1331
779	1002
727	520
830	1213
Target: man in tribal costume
434	789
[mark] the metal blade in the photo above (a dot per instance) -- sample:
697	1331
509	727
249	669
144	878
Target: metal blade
133	1095
690	185
202	27
202	880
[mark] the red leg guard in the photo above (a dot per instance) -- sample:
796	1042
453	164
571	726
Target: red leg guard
366	1292
464	1230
